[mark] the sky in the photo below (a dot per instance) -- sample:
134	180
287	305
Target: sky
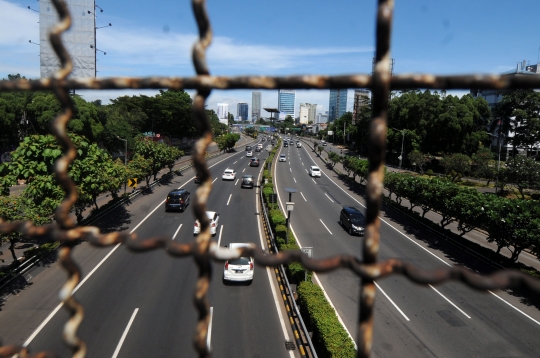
286	37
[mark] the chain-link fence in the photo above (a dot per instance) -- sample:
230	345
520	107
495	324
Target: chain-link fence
202	249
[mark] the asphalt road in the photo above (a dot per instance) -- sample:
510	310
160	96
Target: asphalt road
141	304
449	320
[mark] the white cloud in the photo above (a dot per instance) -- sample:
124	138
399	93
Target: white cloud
17	25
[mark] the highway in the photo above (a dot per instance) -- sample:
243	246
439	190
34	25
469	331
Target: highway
141	304
449	320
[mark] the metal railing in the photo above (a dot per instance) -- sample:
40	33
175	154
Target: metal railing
202	249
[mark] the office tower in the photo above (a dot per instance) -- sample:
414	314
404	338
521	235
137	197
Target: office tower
307	113
286	99
242	111
223	112
255	106
338	104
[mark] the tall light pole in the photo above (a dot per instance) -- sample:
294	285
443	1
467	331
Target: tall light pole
290	206
125	153
402	140
499	160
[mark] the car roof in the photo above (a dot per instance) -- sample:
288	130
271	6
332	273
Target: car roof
352	209
314	167
177	191
282	155
236	245
210	214
248	176
229	170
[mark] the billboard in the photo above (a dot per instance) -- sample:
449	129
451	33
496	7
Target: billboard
77	40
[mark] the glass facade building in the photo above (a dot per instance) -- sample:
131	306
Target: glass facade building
242	111
286	100
338	104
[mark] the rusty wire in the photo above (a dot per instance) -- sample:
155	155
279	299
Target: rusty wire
202	249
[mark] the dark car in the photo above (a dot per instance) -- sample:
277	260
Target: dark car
254	162
285	144
177	200
248	148
247	181
197	179
352	220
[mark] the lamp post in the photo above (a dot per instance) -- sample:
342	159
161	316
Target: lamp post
402	140
499	160
125	153
290	207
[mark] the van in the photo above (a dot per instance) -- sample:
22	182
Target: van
352	220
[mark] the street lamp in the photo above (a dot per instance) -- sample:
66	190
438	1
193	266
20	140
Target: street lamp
290	207
402	140
499	160
125	153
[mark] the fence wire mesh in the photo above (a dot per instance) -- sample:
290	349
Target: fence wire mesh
203	250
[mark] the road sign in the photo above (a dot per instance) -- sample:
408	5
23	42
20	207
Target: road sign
132	182
308	251
330	132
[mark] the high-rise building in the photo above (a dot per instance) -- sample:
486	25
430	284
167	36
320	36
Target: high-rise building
338	104
322	118
242	111
80	40
255	106
223	113
361	99
286	100
307	113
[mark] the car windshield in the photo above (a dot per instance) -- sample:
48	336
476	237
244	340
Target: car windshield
228	171
175	196
240	261
315	169
357	219
282	155
210	215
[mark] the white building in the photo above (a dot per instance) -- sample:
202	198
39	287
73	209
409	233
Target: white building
255	106
223	112
307	113
322	118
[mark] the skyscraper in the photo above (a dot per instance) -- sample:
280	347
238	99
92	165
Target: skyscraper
242	111
286	100
223	113
361	99
338	104
307	113
255	106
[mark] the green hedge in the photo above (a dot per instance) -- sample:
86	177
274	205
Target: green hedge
329	337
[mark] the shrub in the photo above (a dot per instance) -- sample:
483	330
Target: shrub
277	217
281	231
329	336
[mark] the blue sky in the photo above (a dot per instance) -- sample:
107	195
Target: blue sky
287	37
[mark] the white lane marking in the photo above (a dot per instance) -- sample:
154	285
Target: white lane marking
235	162
244	170
241	157
514	307
314	180
306	170
228	201
443	296
214	181
329	197
294	180
177	231
392	302
51	315
384	221
115	354
209	336
290	169
220	232
303	196
302	163
236	181
325	227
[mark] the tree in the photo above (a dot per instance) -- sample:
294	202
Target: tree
334	158
483	164
522	172
419	159
519	112
140	167
456	166
15	209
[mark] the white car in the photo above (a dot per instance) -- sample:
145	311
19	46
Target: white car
214	222
228	174
282	158
240	269
249	154
314	171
